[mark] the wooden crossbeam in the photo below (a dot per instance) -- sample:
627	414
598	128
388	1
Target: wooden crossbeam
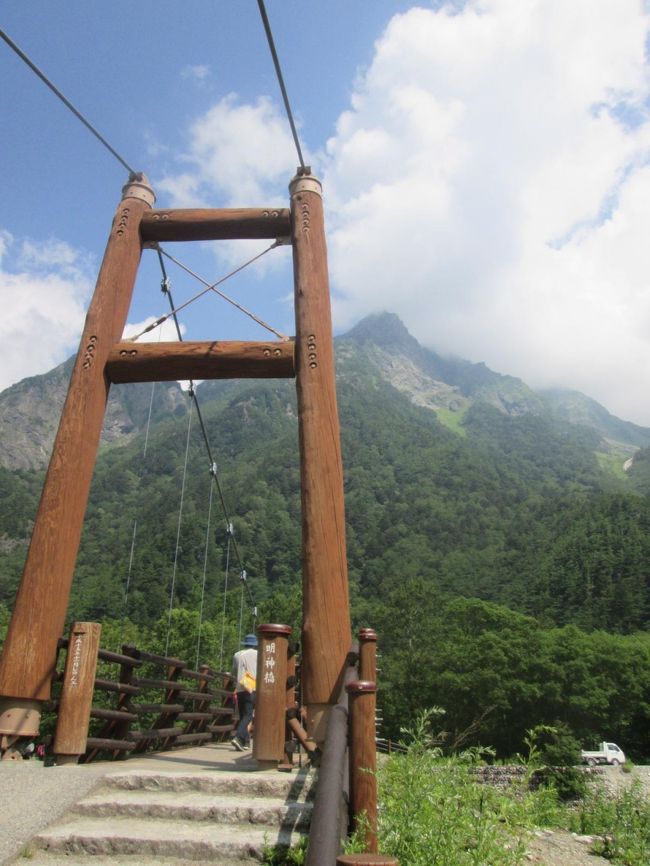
208	224
216	359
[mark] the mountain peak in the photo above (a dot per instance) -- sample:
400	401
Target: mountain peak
385	329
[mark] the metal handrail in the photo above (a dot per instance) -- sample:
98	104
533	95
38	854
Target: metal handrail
330	816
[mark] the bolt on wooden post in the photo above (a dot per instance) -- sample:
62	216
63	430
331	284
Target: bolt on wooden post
271	694
326	631
363	758
77	692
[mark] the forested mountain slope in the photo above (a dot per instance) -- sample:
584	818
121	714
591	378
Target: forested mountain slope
494	538
453	474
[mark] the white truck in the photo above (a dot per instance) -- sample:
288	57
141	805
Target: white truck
609	753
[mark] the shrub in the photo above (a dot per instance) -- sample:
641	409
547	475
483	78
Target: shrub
553	753
434	813
621	820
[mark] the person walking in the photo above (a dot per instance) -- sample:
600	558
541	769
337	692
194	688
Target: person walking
244	672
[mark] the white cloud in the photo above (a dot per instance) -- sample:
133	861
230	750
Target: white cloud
489	184
44	290
164	333
237	155
198	72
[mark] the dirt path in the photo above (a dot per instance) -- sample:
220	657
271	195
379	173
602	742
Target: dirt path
560	848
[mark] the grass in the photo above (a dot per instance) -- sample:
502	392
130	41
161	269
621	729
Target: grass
433	812
621	821
452	420
613	463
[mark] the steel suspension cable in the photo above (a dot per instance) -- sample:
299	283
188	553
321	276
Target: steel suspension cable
210	287
278	72
65	101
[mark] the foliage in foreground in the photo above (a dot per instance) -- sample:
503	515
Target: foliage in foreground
433	812
621	821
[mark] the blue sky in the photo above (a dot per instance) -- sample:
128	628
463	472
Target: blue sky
485	169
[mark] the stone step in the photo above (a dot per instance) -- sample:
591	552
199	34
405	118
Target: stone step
195	805
55	858
251	784
155	838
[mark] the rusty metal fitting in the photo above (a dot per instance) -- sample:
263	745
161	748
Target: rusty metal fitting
305	183
138	186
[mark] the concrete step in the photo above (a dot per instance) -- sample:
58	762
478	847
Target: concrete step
185	840
195	805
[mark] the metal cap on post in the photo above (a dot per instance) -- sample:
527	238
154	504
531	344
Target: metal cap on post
138	186
271	694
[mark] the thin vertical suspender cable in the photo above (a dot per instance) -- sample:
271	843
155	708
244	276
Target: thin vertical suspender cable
166	287
178	531
205	573
225	596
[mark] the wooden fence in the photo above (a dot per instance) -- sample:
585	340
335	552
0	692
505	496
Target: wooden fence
143	702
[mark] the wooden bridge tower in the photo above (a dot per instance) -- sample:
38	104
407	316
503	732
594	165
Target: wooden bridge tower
37	621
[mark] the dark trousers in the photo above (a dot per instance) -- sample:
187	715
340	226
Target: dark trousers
245	705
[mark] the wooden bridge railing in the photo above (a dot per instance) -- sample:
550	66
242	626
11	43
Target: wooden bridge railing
346	796
156	702
151	703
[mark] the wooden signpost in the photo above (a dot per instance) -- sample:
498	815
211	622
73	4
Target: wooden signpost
77	692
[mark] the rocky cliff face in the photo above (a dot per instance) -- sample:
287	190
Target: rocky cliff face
30	412
378	349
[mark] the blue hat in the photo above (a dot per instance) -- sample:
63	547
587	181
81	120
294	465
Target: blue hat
250	640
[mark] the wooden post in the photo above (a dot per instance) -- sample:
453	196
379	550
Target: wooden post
271	694
363	758
368	654
326	634
290	705
39	612
77	693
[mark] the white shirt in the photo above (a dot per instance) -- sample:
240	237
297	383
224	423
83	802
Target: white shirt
244	661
